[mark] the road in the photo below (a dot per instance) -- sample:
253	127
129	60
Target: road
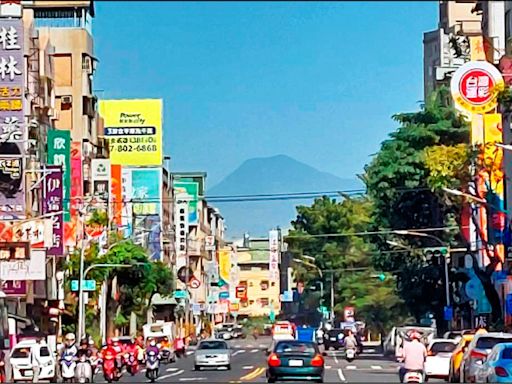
249	362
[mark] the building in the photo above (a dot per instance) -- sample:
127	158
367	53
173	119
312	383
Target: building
261	294
457	21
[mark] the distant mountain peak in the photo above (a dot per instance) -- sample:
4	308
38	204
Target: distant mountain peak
267	175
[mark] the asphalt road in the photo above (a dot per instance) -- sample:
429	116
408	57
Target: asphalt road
249	362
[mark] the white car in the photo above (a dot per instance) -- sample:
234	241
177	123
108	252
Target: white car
21	361
439	353
212	353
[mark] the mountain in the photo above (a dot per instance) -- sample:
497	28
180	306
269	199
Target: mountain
271	175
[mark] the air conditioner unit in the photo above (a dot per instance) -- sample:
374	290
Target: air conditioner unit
87	64
66	99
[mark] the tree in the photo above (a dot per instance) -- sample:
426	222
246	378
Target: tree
327	231
429	151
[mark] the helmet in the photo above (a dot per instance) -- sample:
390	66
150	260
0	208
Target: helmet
109	342
166	338
91	342
414	335
152	343
115	340
70	338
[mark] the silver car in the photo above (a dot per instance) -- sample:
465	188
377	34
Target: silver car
212	353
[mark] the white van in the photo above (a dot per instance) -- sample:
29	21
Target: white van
21	361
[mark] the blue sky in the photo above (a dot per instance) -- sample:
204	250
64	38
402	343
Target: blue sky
315	81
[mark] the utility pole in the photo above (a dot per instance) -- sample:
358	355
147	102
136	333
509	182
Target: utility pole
332	297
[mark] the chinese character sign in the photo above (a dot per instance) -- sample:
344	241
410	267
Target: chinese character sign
475	86
134	129
13	132
53	196
59	153
224	264
273	246
146	191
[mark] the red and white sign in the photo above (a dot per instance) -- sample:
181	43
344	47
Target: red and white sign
273	265
194	283
475	86
11	8
349	314
241	292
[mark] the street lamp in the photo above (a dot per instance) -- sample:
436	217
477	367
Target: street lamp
456	192
441	242
320	273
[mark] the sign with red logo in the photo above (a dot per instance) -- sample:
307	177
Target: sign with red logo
234	307
475	86
241	292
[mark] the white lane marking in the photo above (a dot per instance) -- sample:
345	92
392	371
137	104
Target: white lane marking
327	367
254	351
237	346
351	367
336	359
189	352
250	346
144	370
248	367
340	375
172	369
369	350
238	352
263	346
376	367
192	378
171	375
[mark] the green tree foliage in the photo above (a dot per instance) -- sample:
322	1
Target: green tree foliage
347	254
129	289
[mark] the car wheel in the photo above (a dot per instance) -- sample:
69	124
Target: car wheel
271	380
320	380
228	367
197	368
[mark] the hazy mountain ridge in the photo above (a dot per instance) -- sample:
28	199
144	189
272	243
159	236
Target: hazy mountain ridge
270	175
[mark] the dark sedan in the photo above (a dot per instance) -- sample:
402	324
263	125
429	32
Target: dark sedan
295	360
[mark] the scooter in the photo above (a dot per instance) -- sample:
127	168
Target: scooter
350	354
84	371
132	364
152	365
109	368
67	368
167	357
413	377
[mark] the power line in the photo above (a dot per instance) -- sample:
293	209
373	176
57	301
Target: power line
370	233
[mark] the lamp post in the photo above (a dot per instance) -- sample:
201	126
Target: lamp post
319	273
442	243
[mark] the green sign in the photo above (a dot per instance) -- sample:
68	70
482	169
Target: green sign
59	153
179	294
188	190
87	285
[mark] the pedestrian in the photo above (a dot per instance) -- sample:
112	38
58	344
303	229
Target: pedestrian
36	360
179	346
2	367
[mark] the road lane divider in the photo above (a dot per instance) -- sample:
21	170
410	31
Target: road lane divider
181	371
341	375
247	367
252	375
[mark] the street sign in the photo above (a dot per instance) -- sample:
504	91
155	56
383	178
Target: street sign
286	297
209	243
179	294
241	292
234	307
87	285
448	313
224	295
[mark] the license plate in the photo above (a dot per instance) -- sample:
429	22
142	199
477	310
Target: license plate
295	363
333	339
28	373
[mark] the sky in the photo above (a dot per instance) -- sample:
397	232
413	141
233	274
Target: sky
315	81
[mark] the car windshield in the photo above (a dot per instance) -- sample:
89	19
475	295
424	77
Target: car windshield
44	352
20	353
295	347
442	346
213	345
489	342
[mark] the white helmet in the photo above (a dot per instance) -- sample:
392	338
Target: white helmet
152	343
70	338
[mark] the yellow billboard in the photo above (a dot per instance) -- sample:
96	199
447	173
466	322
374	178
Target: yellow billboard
133	128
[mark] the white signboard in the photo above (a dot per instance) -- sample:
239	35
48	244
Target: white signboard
127	194
33	269
11	8
100	169
209	243
39	233
273	246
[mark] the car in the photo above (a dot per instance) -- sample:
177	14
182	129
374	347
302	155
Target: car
334	339
295	360
454	335
212	353
439	352
456	357
497	368
21	361
477	352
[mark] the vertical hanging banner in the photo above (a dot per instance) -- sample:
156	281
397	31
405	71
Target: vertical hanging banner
146	191
13	131
224	264
73	229
273	246
126	195
53	195
59	153
116	193
189	190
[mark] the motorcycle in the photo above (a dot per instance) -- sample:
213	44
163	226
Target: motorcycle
413	377
67	368
109	368
350	354
166	356
152	365
132	364
84	371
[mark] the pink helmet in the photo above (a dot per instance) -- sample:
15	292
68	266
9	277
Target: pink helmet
414	335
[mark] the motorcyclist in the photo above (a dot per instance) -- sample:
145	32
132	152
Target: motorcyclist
69	346
152	347
84	349
414	354
350	341
110	349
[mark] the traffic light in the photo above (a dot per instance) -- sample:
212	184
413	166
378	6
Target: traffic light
436	253
382	277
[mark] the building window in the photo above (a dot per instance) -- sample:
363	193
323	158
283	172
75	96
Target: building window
63	70
264	285
244	303
60	18
273	284
251	302
243	283
251	284
264	301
